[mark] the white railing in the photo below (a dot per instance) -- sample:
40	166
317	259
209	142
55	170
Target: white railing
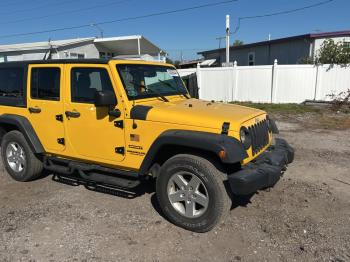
271	83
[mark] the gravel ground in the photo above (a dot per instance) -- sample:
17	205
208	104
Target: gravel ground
305	217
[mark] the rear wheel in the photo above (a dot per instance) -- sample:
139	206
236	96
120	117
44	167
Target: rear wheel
191	193
18	158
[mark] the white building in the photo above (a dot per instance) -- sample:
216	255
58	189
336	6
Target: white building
131	47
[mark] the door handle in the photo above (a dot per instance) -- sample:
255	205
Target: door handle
73	114
35	110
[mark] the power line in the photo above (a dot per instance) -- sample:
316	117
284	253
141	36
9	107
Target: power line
16	3
65	12
37	7
240	19
120	20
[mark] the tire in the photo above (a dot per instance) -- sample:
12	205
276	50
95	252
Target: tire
200	208
18	158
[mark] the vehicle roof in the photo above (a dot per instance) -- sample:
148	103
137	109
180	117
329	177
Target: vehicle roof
81	61
59	61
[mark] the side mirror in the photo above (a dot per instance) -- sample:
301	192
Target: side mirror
105	98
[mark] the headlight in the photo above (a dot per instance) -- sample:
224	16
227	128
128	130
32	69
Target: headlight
245	138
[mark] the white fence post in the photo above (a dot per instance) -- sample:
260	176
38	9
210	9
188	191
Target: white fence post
274	81
317	81
198	73
235	82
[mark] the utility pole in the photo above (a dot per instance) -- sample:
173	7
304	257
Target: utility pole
98	28
227	40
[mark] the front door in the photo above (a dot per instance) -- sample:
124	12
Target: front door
91	133
45	105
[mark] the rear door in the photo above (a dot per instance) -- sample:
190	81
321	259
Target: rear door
45	104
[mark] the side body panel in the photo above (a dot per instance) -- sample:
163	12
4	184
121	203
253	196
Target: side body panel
45	124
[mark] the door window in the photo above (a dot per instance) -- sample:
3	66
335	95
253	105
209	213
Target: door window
45	83
86	81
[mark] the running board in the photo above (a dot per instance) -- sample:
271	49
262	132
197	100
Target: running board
93	173
105	189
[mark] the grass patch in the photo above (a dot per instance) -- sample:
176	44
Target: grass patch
332	122
282	108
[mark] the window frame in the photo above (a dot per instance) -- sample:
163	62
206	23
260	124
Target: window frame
88	67
60	83
14	101
146	96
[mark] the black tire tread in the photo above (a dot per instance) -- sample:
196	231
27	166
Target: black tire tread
34	164
223	206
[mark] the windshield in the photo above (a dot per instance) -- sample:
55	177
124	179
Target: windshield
144	81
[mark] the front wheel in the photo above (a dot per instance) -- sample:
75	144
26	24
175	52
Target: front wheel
191	193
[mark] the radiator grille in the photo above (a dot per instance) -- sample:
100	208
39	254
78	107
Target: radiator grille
259	135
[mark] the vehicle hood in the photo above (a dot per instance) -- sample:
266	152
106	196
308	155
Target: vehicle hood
194	112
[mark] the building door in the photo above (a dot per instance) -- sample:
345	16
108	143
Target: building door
91	132
46	106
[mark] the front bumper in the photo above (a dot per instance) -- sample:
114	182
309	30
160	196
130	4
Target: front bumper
264	171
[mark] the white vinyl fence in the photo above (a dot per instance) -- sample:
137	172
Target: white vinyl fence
271	83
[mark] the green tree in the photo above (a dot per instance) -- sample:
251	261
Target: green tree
237	42
333	53
169	61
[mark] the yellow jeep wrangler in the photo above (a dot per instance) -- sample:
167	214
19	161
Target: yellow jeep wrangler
117	122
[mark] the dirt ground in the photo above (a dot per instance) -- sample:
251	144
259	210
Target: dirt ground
305	217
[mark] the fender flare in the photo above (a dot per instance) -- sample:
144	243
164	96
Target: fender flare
210	142
26	128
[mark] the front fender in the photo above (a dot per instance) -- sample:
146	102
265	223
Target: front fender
210	142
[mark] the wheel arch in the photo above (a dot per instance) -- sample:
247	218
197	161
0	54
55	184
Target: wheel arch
9	122
204	144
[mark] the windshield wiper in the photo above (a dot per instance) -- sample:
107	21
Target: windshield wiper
152	91
174	88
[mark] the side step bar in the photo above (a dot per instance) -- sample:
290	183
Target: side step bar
93	173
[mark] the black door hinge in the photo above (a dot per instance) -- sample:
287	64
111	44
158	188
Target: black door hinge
120	150
119	124
59	118
60	141
225	128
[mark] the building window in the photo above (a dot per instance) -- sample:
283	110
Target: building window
45	83
76	55
251	58
11	82
86	81
105	55
346	45
3	58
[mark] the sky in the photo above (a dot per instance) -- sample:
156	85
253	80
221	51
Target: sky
183	33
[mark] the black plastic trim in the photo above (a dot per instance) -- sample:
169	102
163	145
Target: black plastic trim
56	61
198	140
272	125
68	167
140	112
264	171
26	128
